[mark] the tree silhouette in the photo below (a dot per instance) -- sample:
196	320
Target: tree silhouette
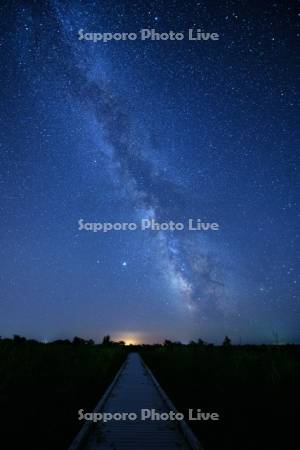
78	341
227	342
19	339
106	340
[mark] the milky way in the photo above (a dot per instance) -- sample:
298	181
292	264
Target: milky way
122	131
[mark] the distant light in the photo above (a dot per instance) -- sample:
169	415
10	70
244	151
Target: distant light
129	338
124	263
130	342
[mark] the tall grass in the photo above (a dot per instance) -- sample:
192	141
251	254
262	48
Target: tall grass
253	388
42	386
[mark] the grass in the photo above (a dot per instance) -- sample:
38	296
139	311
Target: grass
253	388
42	386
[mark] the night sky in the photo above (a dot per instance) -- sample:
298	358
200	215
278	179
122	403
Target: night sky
169	130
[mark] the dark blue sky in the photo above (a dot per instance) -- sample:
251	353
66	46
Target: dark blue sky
120	131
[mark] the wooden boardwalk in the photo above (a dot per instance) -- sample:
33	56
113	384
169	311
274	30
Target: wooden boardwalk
133	389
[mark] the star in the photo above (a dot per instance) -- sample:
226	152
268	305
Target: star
108	158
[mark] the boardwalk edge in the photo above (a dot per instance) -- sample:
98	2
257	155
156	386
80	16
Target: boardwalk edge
86	428
189	435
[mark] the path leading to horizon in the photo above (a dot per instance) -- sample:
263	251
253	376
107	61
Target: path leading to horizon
135	389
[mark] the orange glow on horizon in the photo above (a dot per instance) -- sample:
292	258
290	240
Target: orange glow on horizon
130	342
129	339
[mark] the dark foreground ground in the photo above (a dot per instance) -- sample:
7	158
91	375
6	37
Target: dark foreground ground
42	387
253	389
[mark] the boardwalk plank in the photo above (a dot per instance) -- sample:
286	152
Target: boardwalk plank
134	390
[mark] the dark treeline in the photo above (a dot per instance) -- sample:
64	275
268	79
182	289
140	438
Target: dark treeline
106	340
